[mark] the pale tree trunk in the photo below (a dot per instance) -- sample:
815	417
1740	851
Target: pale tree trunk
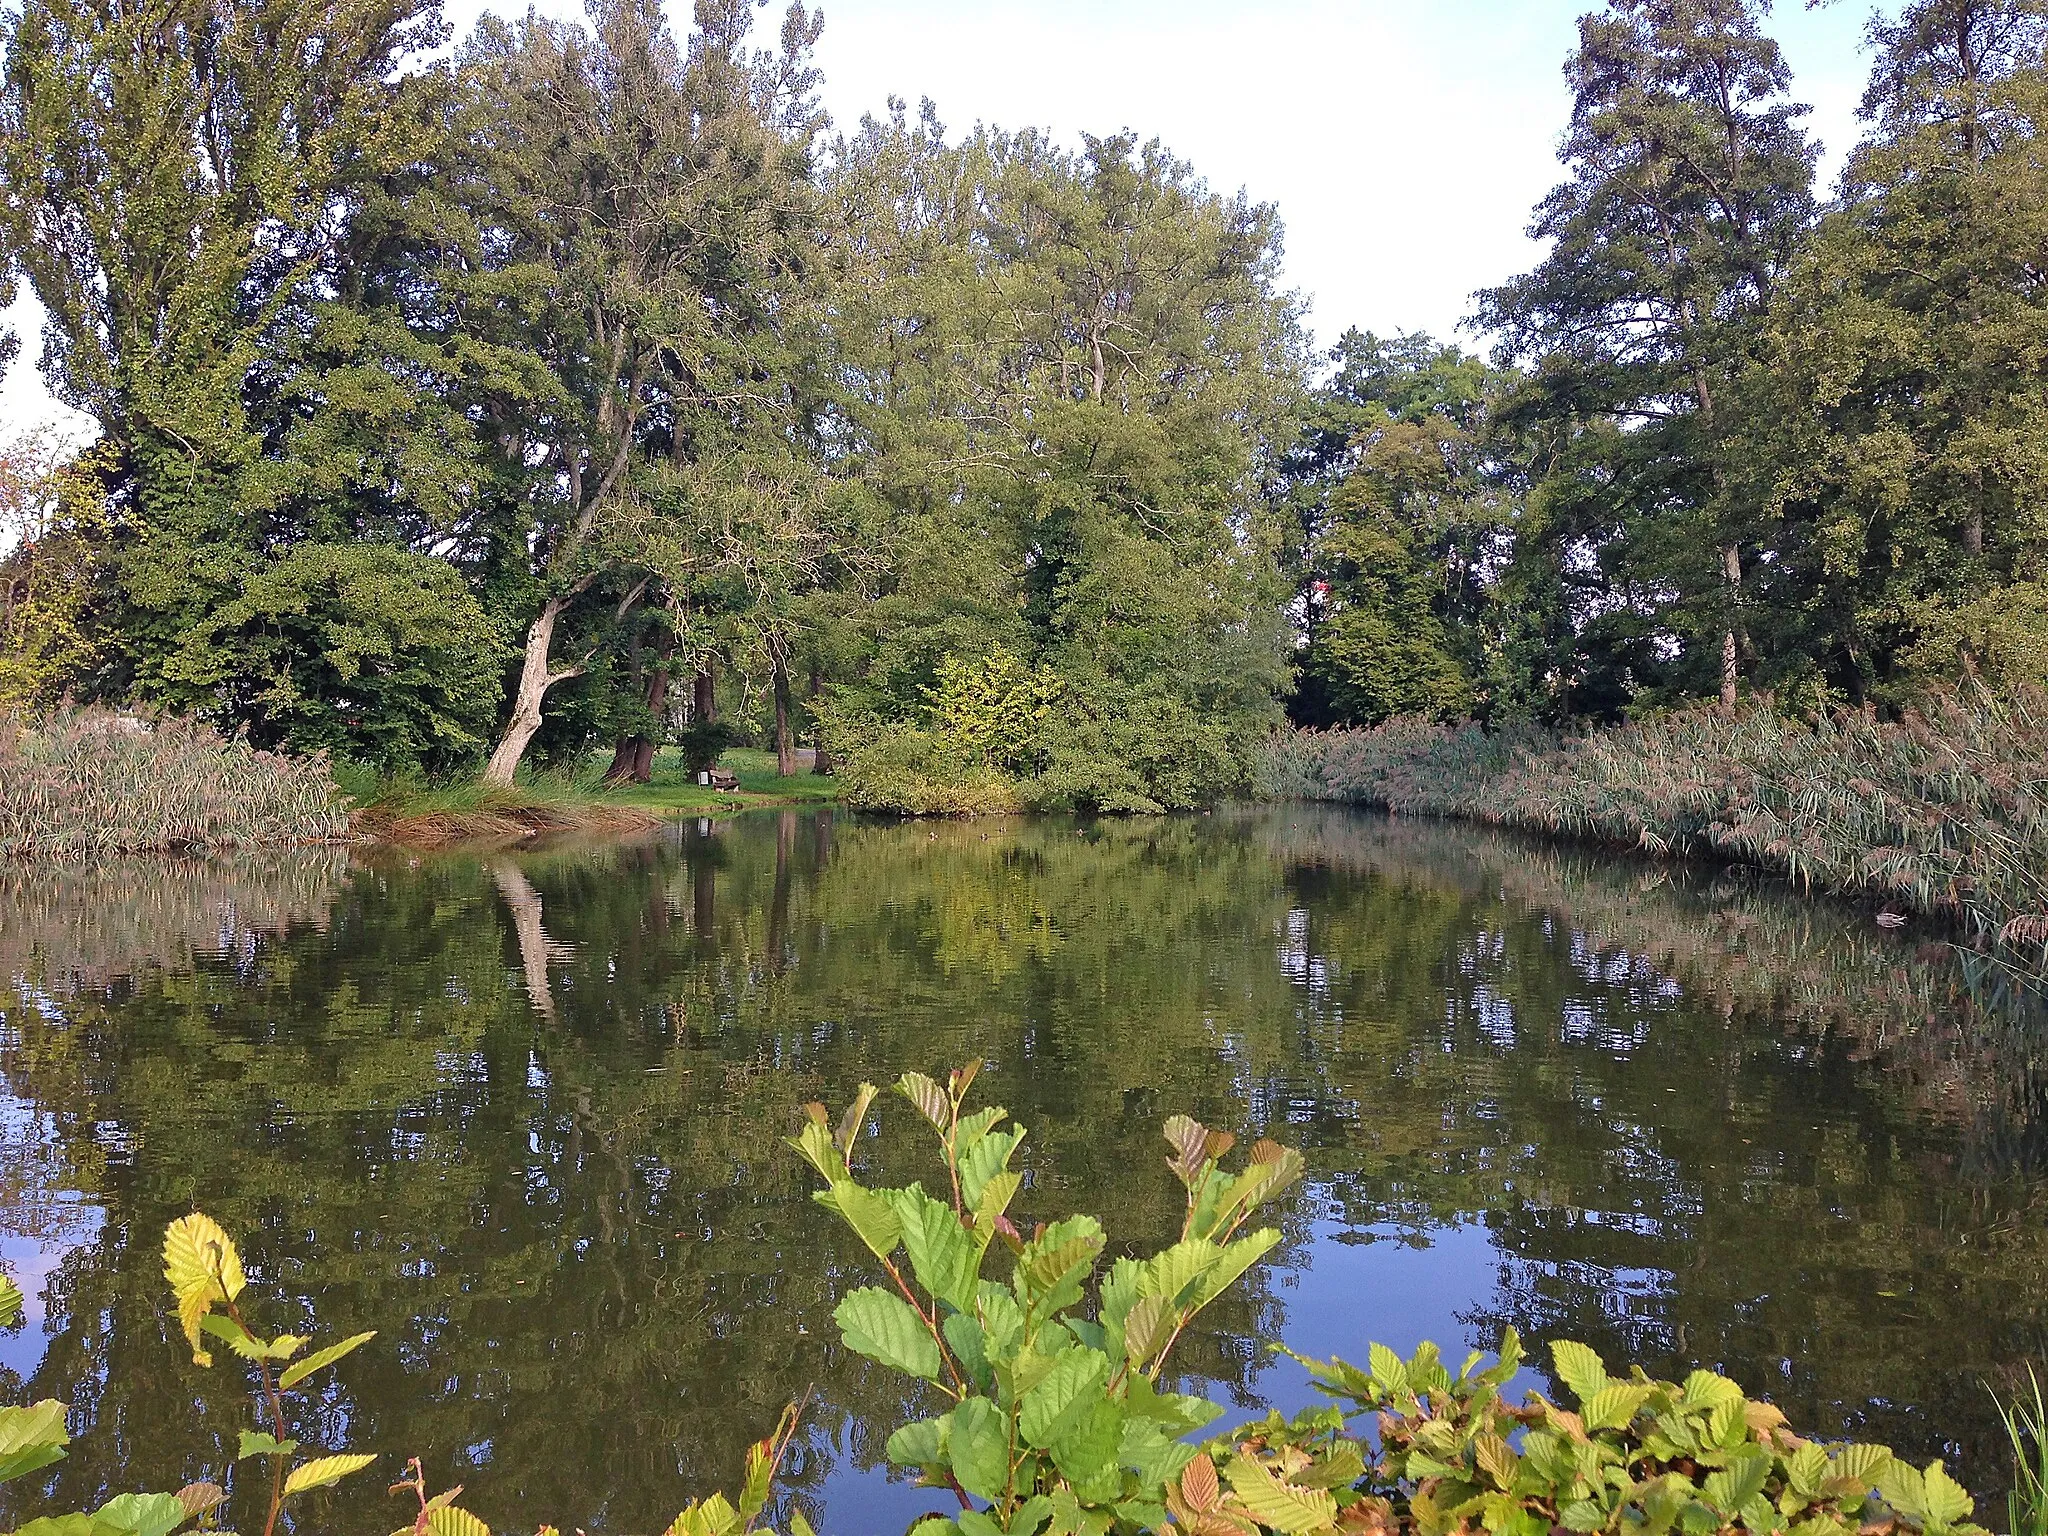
535	679
1731	573
785	738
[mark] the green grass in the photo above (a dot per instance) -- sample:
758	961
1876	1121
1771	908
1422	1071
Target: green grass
472	808
673	790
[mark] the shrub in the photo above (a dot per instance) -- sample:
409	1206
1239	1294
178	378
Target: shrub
1944	811
82	783
913	772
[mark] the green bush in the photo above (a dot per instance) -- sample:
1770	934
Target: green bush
83	783
1055	1411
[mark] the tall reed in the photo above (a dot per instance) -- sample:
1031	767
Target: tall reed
2026	1506
85	783
1944	812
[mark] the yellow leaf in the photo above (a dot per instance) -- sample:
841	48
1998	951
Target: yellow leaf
203	1268
455	1522
323	1471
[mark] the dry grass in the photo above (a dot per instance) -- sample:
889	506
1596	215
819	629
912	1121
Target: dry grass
85	783
477	813
1944	812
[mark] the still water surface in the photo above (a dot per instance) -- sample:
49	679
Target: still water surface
522	1114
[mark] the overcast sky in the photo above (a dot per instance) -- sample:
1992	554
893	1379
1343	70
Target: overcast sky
1404	141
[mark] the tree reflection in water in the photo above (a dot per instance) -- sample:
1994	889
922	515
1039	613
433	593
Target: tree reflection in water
523	1115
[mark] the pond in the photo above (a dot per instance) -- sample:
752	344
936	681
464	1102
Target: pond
523	1114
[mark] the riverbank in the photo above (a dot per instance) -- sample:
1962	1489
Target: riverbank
1942	813
474	812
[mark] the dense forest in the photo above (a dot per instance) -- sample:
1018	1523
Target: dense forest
551	392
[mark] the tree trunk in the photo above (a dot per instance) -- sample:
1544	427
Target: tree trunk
704	694
534	682
821	759
633	757
1731	573
785	738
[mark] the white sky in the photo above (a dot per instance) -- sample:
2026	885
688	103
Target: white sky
1405	141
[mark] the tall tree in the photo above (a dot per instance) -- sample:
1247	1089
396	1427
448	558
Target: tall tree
1401	518
1065	372
634	235
1690	191
1899	418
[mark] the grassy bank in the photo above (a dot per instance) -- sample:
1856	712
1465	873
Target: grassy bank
1944	812
87	783
436	817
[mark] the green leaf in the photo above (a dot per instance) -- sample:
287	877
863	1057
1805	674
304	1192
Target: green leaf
1060	1401
320	1358
1388	1370
1944	1498
1152	1451
1614	1405
31	1438
1579	1368
1176	1273
885	1328
1146	1329
871	1216
324	1471
1182	1414
980	1449
11	1303
1087	1451
985	1160
1282	1507
942	1255
256	1443
65	1525
1741	1480
234	1335
142	1514
1233	1260
920	1444
964	1336
1052	1271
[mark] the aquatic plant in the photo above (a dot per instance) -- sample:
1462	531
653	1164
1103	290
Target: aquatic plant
85	783
1943	812
2026	1425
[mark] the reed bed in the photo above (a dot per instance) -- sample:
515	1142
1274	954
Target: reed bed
87	783
1944	812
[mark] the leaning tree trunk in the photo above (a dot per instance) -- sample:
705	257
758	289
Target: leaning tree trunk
821	757
535	679
785	738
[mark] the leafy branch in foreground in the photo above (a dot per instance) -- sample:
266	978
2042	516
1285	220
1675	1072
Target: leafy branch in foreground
1056	1418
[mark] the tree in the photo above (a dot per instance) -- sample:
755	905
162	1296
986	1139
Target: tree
1400	515
1064	373
1899	416
633	236
1690	193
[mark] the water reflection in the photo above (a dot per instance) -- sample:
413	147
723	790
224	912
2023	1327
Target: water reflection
524	1114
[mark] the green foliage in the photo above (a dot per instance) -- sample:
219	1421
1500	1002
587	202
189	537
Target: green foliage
364	648
1051	1375
82	783
54	514
1635	1457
